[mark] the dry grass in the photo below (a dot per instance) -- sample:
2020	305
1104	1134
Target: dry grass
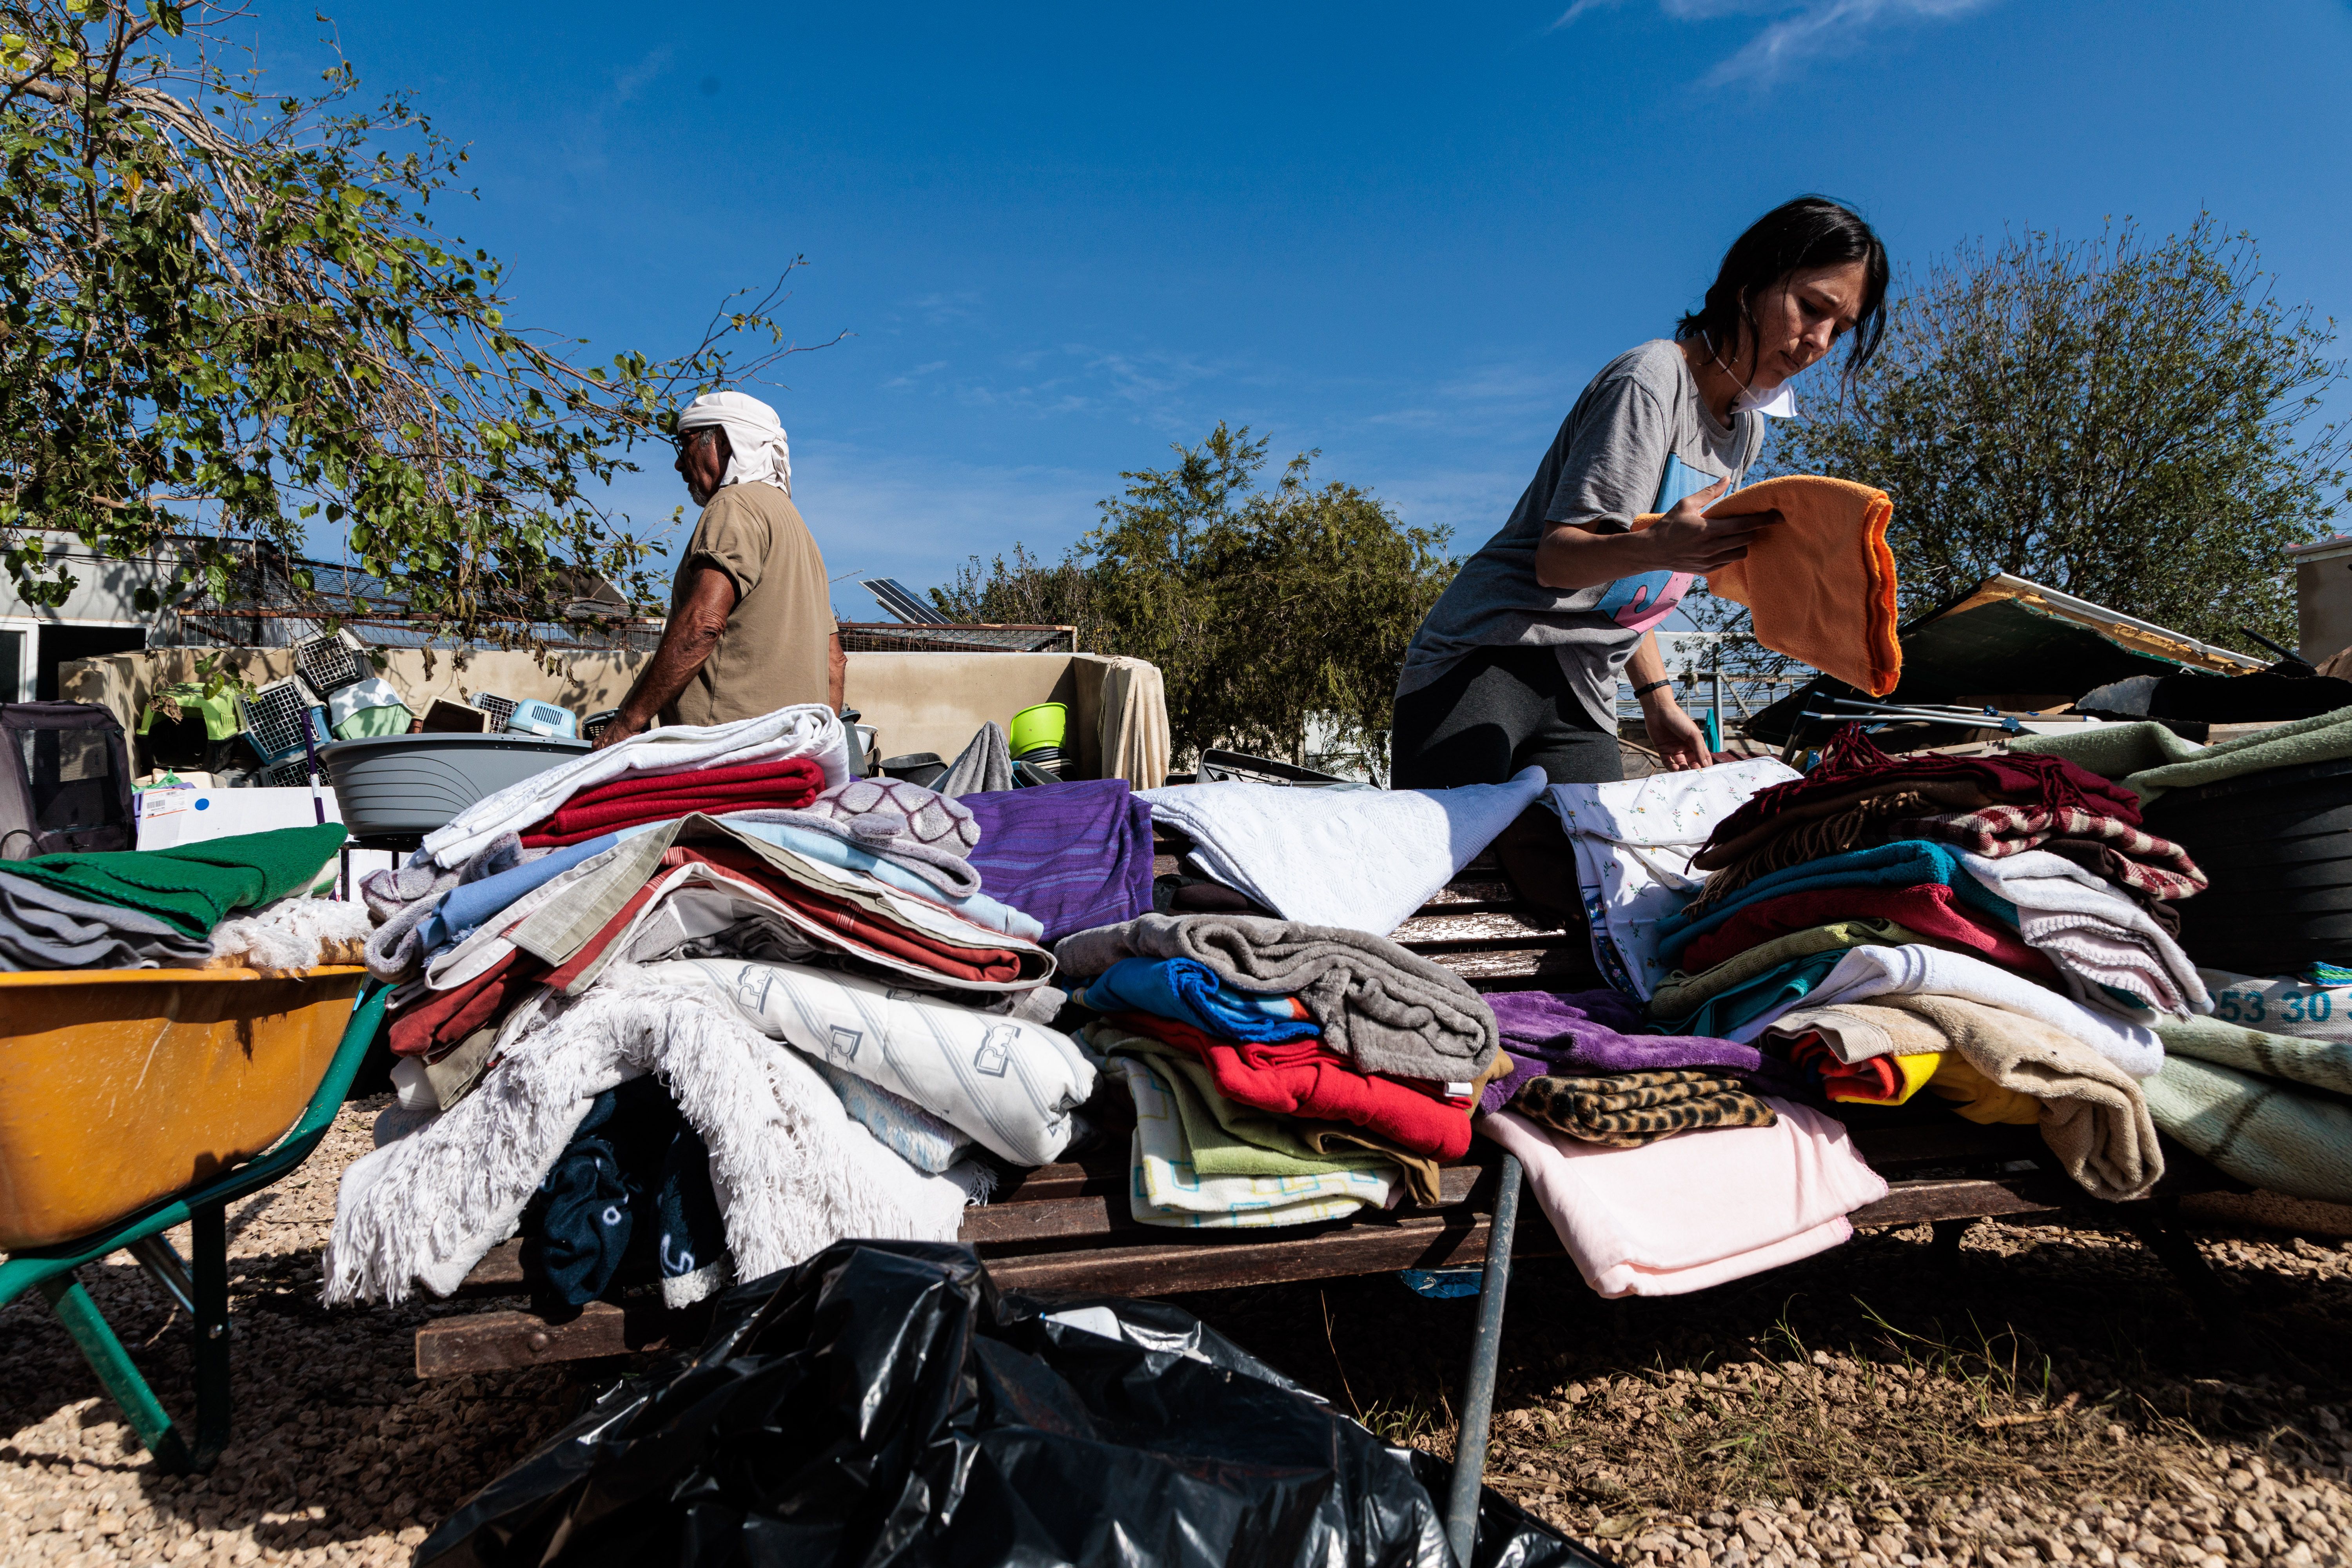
1875	1390
2050	1399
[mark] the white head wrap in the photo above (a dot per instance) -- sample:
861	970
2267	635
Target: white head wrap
755	437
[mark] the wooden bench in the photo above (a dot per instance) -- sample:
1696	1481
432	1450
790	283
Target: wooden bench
1067	1226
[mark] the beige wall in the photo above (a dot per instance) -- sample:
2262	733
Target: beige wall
938	702
584	682
918	701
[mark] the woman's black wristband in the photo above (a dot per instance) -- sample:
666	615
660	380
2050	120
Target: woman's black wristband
1647	687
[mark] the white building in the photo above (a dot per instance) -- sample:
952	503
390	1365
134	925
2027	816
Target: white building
98	617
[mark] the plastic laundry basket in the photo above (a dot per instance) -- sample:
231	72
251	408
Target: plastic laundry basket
119	1088
399	785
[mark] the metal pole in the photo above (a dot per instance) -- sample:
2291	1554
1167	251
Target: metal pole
1486	1351
1715	708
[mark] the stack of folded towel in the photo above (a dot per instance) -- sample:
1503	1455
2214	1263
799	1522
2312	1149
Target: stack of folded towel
704	983
1281	1073
1993	931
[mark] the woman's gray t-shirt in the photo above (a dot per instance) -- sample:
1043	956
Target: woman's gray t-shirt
1605	467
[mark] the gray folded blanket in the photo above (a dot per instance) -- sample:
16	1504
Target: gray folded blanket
2323	1063
1388	1010
2265	1132
41	928
400	898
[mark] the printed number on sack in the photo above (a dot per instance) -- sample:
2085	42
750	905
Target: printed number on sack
2239	1006
2295	1007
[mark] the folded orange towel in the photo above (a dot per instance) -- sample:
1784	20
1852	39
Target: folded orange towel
1819	584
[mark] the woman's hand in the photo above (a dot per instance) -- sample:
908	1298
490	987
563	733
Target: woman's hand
1571	556
1675	735
1686	540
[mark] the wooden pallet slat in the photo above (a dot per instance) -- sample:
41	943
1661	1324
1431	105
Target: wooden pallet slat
1067	1226
494	1342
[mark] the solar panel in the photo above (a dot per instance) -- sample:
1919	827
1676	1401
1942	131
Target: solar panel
899	601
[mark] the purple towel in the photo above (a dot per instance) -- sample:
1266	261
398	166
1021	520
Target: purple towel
1562	1034
1070	856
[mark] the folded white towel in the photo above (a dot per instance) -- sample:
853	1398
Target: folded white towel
1633	840
808	730
1359	859
1867	972
1010	1083
2056	897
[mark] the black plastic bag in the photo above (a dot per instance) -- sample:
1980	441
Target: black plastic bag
882	1403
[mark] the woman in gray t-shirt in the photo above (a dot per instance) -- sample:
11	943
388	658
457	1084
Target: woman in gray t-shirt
1517	663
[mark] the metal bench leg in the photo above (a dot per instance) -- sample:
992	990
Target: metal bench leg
121	1380
1486	1351
2157	1223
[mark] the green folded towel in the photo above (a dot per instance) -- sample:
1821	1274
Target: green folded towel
196	886
2323	1063
1227	1138
2150	759
2268	1134
2111	751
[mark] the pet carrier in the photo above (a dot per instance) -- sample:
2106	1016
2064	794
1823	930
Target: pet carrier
65	782
330	664
274	716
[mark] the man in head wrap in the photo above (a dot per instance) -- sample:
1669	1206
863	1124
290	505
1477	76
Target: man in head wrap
751	624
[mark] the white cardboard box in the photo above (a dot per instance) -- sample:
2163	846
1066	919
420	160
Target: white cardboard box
172	817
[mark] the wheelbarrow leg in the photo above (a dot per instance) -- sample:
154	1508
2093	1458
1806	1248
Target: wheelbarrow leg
208	1247
1485	1352
121	1380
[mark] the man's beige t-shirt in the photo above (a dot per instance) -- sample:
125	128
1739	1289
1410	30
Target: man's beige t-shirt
774	652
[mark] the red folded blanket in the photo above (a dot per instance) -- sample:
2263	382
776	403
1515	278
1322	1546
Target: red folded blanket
1929	909
440	1021
1850	765
1309	1079
784	785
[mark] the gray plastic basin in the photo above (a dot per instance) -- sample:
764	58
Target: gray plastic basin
397	785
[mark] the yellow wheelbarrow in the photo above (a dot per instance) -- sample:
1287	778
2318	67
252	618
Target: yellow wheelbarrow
133	1101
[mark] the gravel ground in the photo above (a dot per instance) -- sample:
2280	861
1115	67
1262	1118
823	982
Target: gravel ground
2047	1397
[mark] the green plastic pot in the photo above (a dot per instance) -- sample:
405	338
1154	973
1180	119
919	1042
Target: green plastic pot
1042	725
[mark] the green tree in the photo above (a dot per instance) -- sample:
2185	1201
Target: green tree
2128	420
224	312
1261	607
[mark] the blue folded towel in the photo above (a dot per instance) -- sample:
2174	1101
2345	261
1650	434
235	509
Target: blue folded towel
1906	863
1191	992
465	907
1772	991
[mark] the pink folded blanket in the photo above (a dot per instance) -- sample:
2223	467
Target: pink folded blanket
1655	1221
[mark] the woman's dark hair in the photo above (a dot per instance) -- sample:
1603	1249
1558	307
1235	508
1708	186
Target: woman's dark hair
1796	236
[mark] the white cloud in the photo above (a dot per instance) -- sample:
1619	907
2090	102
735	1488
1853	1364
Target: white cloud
1487	393
917	373
1802	30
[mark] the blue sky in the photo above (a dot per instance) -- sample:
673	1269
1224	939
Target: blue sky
1066	237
